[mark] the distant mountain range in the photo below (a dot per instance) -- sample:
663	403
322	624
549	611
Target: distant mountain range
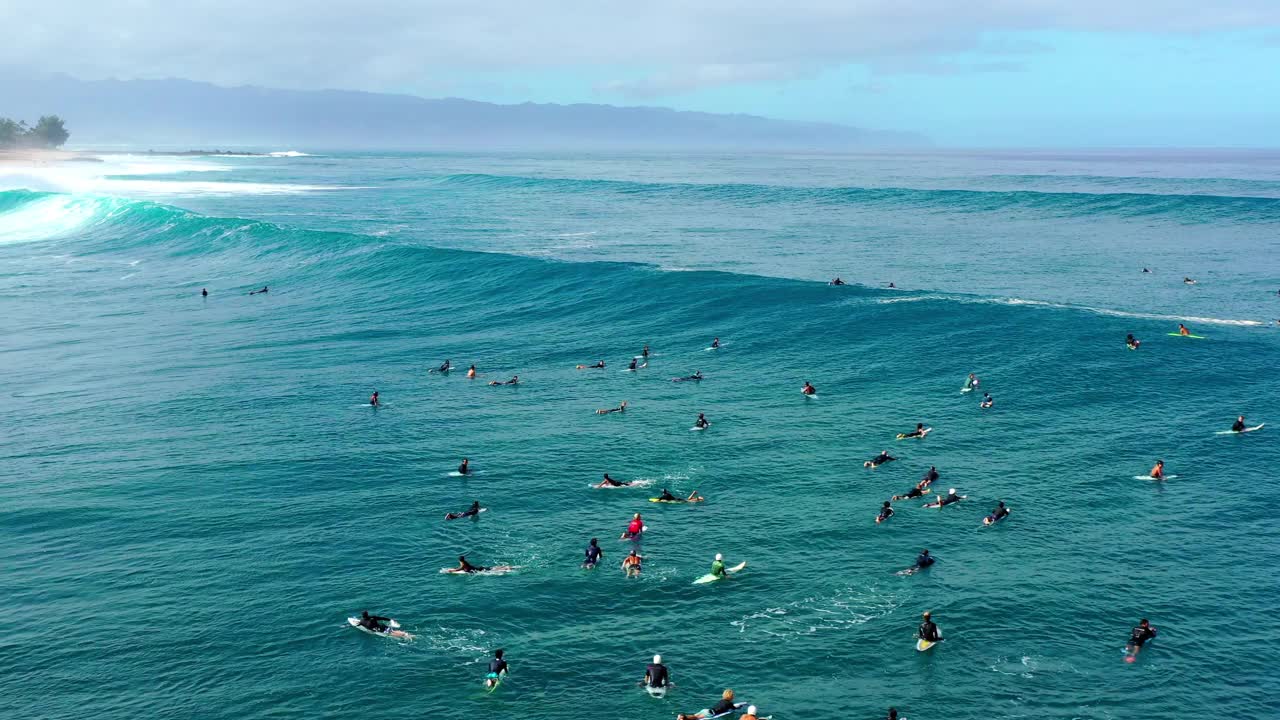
167	114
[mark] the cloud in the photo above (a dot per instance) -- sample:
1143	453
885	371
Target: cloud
413	44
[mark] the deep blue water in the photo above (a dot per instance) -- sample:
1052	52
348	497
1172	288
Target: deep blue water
194	498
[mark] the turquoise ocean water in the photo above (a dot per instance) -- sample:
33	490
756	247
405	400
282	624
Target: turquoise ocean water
194	499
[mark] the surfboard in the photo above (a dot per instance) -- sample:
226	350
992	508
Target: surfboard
909	436
656	692
455	516
923	645
495	570
966	389
708	578
1237	432
1197	337
1148	477
493	680
395	633
676	502
811	397
695	427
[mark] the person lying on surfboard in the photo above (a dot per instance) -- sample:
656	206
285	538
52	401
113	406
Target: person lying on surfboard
879	460
951	497
886	512
1238	425
928	631
445	367
469	512
1131	342
1157	470
1000	513
634	528
919	490
1139	636
697	375
924	559
610	482
725	706
598	366
1188	281
918	432
656	675
374	623
666	496
515	380
809	389
622	407
466	567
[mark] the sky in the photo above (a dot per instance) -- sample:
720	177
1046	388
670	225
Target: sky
965	73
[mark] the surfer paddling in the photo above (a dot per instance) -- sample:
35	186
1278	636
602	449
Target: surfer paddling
622	407
724	707
879	460
1138	637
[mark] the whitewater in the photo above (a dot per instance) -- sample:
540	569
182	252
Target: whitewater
195	494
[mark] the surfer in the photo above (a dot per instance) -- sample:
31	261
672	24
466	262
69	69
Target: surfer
892	286
987	401
1157	470
622	407
373	400
924	559
697	375
594	554
971	382
259	292
656	675
893	714
445	367
598	366
1145	270
952	497
929	477
928	630
751	714
919	490
838	281
715	344
610	482
204	292
645	352
725	706
879	460
1140	635
634	528
466	567
1131	342
469	512
374	623
471	372
701	423
668	497
632	366
886	512
1000	513
497	668
631	564
918	432
809	389
1238	425
515	380
717	567
1182	330
465	467
1188	281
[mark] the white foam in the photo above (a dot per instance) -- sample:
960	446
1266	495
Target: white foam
1015	302
49	217
288	153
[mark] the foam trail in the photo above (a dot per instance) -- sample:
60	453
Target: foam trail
1066	306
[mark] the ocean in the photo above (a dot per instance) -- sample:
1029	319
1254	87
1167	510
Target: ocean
195	494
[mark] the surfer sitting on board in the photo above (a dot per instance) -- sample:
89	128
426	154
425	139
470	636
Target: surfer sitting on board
374	623
987	401
444	368
466	567
1140	635
702	422
697	375
809	389
1238	425
610	482
469	512
838	281
594	554
886	512
1131	342
717	567
879	460
515	380
598	366
622	407
465	467
971	382
471	372
373	401
725	706
1182	329
928	631
656	674
715	344
633	365
1157	470
631	564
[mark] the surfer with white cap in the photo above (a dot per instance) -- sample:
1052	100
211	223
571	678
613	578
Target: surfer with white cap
717	567
656	675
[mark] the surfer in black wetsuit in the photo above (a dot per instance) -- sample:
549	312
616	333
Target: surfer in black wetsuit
469	512
632	366
594	554
880	459
838	281
886	512
515	380
701	422
446	367
666	496
924	559
465	467
913	493
497	668
697	375
656	674
1140	635
258	292
918	432
610	482
1238	425
998	514
930	476
374	399
715	343
726	705
928	630
204	292
466	567
951	497
373	622
1132	342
